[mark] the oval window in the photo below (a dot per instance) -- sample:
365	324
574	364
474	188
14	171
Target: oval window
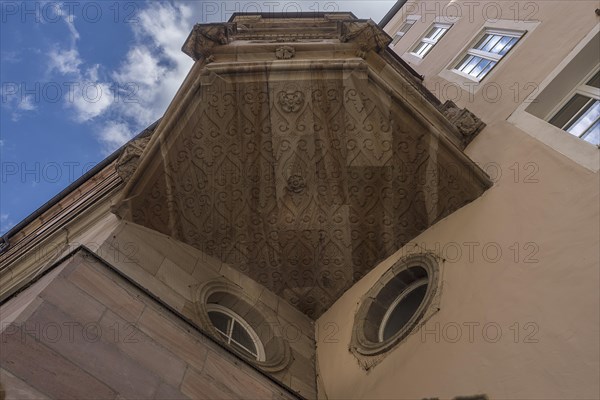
394	306
236	332
402	309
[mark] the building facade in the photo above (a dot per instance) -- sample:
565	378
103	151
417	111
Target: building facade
333	209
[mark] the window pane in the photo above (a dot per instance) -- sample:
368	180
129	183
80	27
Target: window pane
586	118
482	42
431	34
487	69
220	321
419	48
422	49
491	43
508	46
480	67
404	310
573	106
501	44
406	26
472	64
595	81
439	34
593	134
244	350
242	337
463	63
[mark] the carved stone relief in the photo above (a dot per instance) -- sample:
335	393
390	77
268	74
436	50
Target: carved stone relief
129	158
285	52
467	123
304	183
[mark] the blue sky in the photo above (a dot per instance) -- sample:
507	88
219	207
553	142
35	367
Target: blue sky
80	78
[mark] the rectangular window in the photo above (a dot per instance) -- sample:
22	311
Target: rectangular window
403	29
580	114
487	52
428	41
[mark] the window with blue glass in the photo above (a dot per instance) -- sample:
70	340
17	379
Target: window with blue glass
579	114
431	38
487	52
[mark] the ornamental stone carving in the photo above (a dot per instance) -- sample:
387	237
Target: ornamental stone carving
291	101
296	184
129	159
366	34
467	123
205	37
285	52
302	174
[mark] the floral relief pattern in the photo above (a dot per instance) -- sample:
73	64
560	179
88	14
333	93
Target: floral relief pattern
303	184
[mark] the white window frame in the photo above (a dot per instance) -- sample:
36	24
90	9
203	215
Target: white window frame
579	151
409	289
485	54
227	336
432	42
582	89
411	20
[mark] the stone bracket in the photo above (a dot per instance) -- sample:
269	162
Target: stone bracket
205	37
365	34
129	159
467	123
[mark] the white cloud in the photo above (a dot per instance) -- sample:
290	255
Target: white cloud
155	66
92	100
26	104
65	61
70	21
145	81
114	135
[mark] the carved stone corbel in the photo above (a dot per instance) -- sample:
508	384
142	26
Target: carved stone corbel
205	37
366	34
129	159
467	123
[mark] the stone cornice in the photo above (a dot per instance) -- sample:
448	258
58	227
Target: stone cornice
364	34
27	250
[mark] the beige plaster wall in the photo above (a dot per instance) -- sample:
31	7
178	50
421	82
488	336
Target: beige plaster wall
554	28
549	211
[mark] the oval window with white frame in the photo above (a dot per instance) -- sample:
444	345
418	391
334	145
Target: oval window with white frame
394	306
402	309
244	324
235	331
